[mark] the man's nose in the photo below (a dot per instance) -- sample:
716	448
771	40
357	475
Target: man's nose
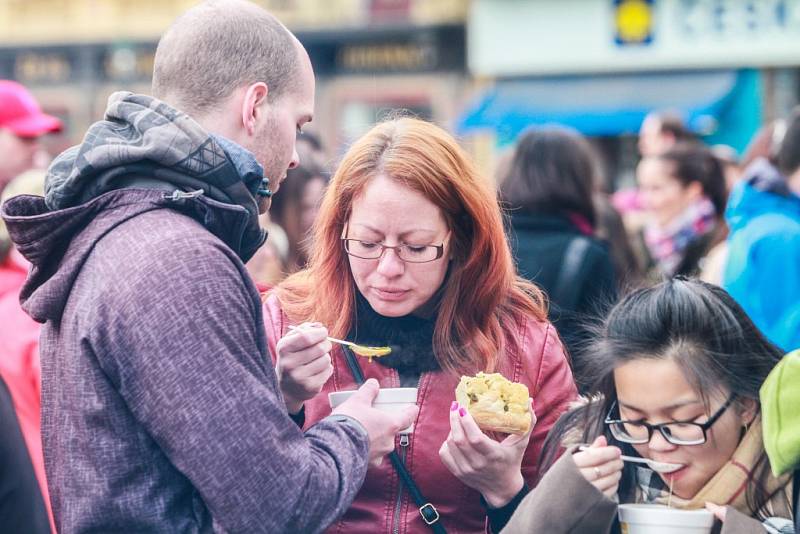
295	161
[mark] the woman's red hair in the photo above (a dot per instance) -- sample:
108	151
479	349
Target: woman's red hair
482	298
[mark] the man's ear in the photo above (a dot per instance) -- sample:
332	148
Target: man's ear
255	97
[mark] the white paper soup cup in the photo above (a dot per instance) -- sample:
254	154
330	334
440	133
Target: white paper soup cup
658	519
389	400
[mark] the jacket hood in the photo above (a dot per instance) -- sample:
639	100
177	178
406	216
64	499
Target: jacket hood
57	243
142	135
763	190
142	138
144	155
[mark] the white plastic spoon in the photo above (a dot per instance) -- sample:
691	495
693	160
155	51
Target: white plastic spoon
661	467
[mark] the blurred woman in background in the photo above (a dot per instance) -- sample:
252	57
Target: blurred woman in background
295	207
20	366
268	266
684	193
549	194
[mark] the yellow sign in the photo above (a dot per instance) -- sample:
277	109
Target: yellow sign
634	21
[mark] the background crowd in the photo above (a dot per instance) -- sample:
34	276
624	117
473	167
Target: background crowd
703	245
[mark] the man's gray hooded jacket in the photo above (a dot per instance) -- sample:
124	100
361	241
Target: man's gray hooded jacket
160	409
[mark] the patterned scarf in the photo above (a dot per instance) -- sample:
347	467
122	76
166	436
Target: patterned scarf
727	487
668	244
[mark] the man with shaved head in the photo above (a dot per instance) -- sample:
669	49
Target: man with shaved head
161	411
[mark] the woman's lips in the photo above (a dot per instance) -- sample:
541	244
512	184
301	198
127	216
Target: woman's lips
675	475
390	294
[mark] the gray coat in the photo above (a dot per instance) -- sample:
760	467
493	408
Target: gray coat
161	411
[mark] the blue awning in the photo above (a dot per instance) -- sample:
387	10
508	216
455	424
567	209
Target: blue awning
610	105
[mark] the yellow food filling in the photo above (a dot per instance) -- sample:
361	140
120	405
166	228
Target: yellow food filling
495	392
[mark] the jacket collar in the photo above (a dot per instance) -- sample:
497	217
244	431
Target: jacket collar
57	243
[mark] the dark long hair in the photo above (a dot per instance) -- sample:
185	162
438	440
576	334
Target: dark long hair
553	170
698	326
481	279
672	123
286	210
693	162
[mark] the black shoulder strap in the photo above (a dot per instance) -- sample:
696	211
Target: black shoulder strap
565	284
428	512
796	499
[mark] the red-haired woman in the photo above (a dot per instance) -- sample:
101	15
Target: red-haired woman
409	251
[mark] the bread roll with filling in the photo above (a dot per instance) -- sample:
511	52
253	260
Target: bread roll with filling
496	403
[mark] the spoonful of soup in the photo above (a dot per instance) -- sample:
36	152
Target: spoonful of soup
361	350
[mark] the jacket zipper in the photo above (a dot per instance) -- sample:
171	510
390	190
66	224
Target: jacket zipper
405	440
181	195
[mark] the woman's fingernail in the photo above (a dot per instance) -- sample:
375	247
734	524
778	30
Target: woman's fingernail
462	412
454	406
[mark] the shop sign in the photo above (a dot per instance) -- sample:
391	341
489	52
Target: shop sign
128	62
43	67
52	65
523	37
387	57
402	50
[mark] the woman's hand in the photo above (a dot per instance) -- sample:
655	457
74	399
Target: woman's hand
601	465
492	468
718	511
304	364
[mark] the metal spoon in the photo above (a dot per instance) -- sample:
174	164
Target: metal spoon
361	350
661	467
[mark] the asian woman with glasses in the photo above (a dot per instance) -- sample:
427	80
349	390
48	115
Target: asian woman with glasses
409	251
677	368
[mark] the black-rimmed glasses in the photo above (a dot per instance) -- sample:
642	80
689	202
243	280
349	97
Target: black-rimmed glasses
368	250
677	433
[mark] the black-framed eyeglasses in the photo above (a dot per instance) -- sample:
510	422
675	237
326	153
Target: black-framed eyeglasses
675	432
369	250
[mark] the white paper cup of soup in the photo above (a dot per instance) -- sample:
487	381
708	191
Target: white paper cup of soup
659	519
389	400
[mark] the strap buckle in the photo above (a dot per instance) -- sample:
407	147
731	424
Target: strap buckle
429	513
